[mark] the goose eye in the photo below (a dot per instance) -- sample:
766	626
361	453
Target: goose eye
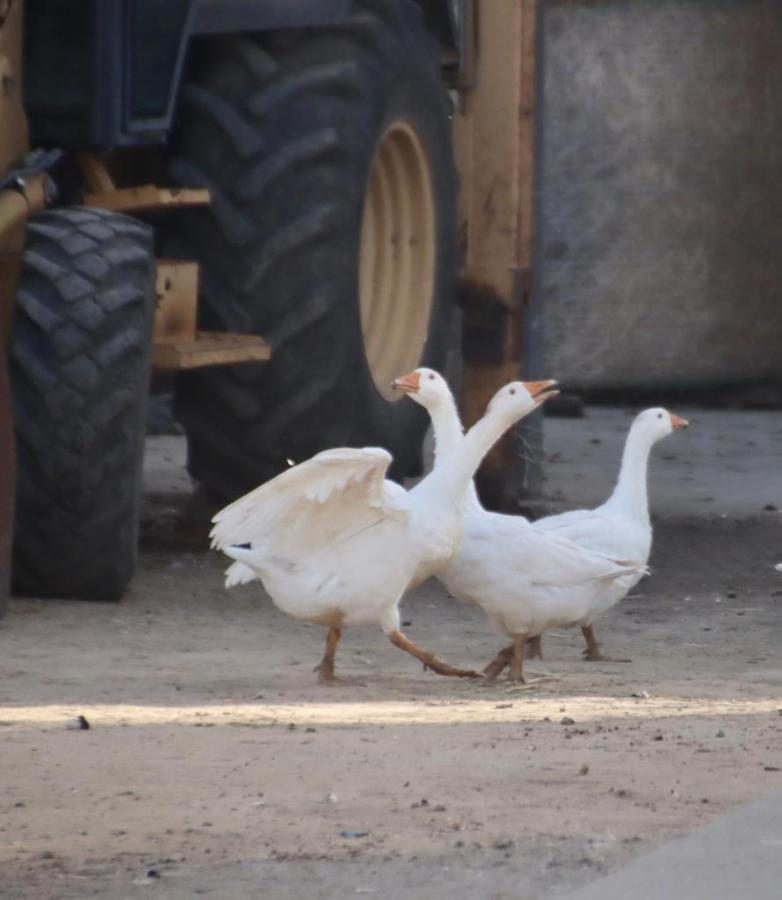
431	378
659	415
513	390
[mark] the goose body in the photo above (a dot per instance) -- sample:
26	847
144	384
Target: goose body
336	543
321	533
621	526
526	581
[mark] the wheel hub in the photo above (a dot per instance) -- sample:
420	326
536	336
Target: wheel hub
397	260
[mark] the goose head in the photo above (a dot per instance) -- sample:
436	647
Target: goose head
656	423
425	386
519	398
510	403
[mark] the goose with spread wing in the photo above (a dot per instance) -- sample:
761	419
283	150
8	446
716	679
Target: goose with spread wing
526	581
336	543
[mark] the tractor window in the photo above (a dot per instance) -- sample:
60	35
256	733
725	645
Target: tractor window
155	35
58	61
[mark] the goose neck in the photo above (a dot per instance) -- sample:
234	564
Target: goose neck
630	494
448	433
452	476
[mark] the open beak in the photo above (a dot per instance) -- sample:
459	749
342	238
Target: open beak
408	384
678	422
540	391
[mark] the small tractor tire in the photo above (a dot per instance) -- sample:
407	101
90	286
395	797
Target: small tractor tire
331	233
80	364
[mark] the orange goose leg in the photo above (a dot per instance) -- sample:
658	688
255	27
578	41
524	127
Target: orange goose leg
325	668
429	660
535	647
499	662
593	652
517	663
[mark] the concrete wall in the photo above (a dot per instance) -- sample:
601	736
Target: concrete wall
662	200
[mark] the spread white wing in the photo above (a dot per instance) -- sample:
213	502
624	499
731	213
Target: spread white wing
314	507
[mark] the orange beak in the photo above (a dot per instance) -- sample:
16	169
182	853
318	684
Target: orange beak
678	421
541	391
409	383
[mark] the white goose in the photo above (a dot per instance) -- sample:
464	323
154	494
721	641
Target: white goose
621	526
336	543
526	581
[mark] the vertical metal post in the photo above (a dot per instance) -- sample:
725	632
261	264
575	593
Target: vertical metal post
495	143
9	270
533	347
13	211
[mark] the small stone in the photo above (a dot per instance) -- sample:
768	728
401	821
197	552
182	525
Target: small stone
584	770
769	507
720	733
77	724
310	730
292	726
153	873
566	720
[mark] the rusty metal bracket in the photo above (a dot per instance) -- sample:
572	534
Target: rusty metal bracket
104	194
177	345
147	197
209	348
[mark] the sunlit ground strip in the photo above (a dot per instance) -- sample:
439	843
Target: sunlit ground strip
521	708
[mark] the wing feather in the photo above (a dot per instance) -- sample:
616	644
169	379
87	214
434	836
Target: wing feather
547	559
599	532
323	501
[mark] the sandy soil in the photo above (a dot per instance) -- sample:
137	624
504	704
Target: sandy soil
215	765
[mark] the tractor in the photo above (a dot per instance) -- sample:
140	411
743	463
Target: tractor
275	205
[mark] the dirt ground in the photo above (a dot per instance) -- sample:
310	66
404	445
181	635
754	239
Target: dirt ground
215	765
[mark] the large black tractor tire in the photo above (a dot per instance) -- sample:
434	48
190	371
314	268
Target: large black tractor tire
331	233
80	362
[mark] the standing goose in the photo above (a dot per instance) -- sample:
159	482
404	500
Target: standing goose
525	581
336	543
621	526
